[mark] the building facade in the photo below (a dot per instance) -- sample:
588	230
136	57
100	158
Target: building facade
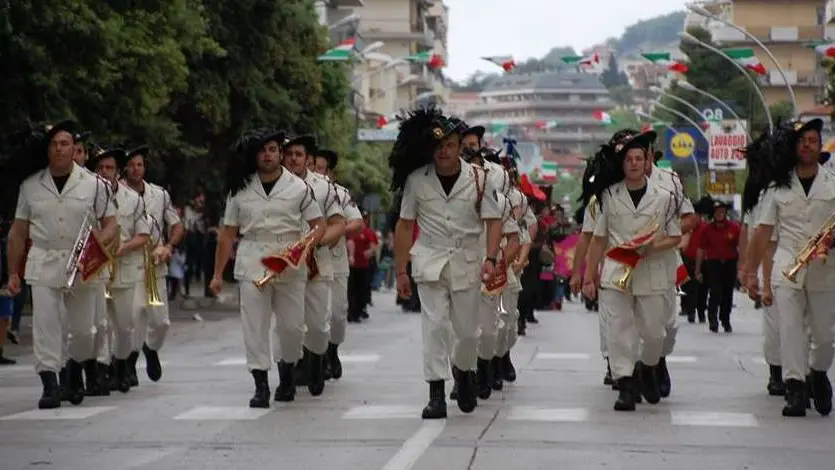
785	27
553	109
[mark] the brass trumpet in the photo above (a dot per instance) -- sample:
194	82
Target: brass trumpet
623	281
151	291
818	245
260	283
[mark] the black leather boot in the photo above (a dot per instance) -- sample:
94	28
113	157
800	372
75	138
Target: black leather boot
133	379
508	371
821	392
64	384
662	376
5	361
75	382
649	384
121	377
51	396
300	369
775	386
453	395
316	374
286	390
627	394
153	367
94	381
496	366
261	398
112	375
333	360
607	379
436	408
796	399
485	379
466	391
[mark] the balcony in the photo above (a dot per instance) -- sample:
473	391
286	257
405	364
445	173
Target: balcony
397	30
544	104
795	78
774	34
569	136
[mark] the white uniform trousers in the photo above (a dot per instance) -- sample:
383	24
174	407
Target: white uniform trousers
101	340
489	323
317	312
441	307
602	327
151	324
121	310
339	308
671	327
797	309
285	301
771	335
56	315
631	319
508	333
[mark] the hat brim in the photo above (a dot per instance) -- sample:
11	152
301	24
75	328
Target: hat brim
117	154
717	204
306	141
141	150
811	125
329	155
68	126
277	136
643	140
477	131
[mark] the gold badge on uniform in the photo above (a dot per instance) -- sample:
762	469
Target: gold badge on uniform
618	148
438	133
798	126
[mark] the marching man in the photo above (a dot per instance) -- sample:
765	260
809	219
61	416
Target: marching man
452	203
632	206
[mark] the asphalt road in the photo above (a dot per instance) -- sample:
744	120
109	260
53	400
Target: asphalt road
558	415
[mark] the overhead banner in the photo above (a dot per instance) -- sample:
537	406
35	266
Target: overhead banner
725	138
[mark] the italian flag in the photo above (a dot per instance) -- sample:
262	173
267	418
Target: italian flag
664	58
583	61
548	171
344	51
545	125
746	57
433	61
826	50
603	117
506	62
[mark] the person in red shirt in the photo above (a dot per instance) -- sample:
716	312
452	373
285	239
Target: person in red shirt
361	249
718	253
694	300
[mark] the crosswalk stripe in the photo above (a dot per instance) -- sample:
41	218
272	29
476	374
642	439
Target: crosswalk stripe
712	418
533	413
63	413
222	413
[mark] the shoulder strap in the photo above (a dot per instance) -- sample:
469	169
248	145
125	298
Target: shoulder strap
480	178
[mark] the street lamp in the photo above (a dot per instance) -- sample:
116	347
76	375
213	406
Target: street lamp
690	87
690	105
353	17
687	37
651	119
700	10
693	156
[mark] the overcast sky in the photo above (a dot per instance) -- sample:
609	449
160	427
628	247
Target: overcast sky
530	28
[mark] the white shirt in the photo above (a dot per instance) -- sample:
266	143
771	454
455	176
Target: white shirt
132	221
352	213
329	205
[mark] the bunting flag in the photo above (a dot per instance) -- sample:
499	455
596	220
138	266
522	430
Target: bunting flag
826	50
603	117
421	57
678	66
344	51
745	56
545	125
656	57
498	127
583	61
436	62
382	122
506	62
664	58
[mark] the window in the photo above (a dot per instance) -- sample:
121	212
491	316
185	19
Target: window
821	15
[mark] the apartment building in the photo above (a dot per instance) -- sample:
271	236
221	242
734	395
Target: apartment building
785	27
553	109
385	82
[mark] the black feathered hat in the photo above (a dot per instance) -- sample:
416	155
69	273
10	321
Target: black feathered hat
22	154
477	131
758	159
241	163
330	156
704	206
69	126
307	141
421	131
612	154
273	135
784	154
141	151
116	153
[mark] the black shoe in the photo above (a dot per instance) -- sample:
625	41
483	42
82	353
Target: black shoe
286	390
727	327
648	383
453	394
796	399
485	379
133	379
496	366
775	386
713	328
261	398
5	361
607	379
75	382
316	374
333	361
300	370
627	394
691	319
152	365
508	371
436	408
51	396
94	383
663	378
121	377
466	391
532	319
821	392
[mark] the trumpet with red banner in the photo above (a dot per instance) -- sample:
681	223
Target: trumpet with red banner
630	253
496	285
292	257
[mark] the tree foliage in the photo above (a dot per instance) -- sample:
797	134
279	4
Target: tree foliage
650	34
184	76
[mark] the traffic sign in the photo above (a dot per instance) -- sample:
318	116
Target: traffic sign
725	138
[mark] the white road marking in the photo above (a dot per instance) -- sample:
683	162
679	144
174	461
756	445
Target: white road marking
383	412
344	358
415	446
712	418
682	359
63	413
758	360
534	413
563	356
222	413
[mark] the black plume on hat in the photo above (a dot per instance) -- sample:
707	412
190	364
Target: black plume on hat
759	161
241	164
